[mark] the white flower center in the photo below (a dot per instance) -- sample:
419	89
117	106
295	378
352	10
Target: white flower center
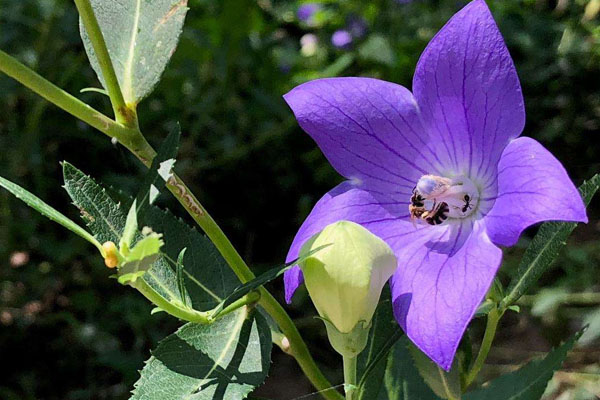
435	199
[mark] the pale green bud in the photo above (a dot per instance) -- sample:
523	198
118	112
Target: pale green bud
345	279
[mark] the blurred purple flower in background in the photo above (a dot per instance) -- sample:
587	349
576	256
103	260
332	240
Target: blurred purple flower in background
450	151
342	39
357	26
307	11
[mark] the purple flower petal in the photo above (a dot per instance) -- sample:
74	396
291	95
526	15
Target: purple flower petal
368	129
469	93
342	39
307	11
533	186
353	203
443	275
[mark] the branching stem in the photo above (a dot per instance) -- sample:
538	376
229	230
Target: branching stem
135	142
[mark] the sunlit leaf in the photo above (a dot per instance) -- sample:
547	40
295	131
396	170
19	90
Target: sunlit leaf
221	361
37	204
140	36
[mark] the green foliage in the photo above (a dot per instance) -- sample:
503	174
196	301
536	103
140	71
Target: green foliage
141	36
385	367
530	381
140	259
544	248
221	361
37	204
444	384
107	221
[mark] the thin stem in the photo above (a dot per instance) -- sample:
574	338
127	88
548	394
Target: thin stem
123	114
350	377
184	313
444	379
21	73
490	331
249	299
135	142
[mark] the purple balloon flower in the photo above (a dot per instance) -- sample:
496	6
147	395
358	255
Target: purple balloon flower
449	155
307	11
341	39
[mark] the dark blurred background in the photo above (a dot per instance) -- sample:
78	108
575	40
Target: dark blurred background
69	332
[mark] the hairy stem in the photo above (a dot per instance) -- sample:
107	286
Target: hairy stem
350	377
490	331
123	114
135	142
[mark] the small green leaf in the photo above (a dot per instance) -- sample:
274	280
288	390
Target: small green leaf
131	227
444	384
223	360
180	277
544	248
140	36
530	381
106	219
37	204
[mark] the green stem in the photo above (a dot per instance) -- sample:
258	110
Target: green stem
157	299
249	299
490	331
21	73
123	114
135	142
350	377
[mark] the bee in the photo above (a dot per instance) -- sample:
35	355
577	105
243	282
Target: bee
468	204
416	208
437	215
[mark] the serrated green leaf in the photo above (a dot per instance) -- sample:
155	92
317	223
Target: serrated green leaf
544	248
146	247
530	381
385	367
444	384
37	204
140	36
106	219
224	360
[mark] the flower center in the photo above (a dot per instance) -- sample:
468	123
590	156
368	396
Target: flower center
435	199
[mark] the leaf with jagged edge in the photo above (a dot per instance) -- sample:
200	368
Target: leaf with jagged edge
106	219
208	279
141	36
47	211
544	248
530	381
220	361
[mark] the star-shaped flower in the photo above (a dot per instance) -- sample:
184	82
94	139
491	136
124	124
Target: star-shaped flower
440	174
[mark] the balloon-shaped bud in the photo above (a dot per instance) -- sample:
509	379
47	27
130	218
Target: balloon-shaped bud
345	279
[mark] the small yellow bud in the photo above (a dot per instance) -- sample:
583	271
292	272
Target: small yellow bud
111	260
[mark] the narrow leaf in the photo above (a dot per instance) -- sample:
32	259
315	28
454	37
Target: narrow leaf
37	204
544	248
259	281
180	277
131	227
140	36
530	381
224	360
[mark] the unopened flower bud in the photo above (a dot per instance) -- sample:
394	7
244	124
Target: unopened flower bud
345	279
111	260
